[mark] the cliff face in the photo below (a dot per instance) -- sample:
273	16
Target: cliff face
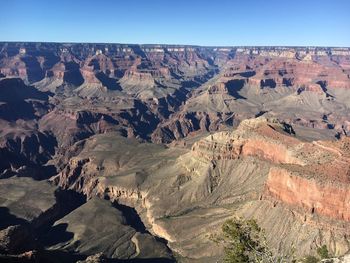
308	178
261	170
321	186
245	129
313	176
329	199
252	138
164	93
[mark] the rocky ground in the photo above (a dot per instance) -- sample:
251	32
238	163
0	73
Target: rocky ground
140	153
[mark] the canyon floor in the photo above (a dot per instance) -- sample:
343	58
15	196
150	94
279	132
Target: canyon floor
139	153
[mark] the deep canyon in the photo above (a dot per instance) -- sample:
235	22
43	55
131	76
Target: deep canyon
141	152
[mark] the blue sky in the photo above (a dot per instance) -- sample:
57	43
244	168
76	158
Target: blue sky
199	22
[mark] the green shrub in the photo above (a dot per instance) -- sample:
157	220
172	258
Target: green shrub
323	252
243	241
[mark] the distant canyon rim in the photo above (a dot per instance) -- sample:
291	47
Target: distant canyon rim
141	152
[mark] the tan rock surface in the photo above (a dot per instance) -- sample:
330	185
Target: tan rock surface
185	195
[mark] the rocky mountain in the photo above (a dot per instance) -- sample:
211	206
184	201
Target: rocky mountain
141	152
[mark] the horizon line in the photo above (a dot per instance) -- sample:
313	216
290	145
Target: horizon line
153	44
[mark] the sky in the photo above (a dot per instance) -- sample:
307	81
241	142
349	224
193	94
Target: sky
192	22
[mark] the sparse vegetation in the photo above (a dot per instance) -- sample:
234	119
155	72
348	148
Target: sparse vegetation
323	252
244	241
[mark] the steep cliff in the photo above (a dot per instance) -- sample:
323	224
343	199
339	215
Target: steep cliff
262	170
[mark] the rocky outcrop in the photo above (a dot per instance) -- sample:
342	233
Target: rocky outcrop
182	90
329	199
13	238
25	205
257	138
23	147
183	125
23	154
313	176
83	113
18	101
70	126
319	187
115	238
208	179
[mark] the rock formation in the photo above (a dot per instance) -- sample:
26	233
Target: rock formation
169	141
299	182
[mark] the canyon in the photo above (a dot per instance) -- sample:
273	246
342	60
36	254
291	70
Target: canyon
140	153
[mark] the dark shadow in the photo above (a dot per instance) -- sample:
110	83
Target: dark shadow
7	219
88	117
48	142
119	73
43	256
34	70
234	86
144	65
47	171
57	234
171	103
50	59
137	50
26	157
190	84
8	160
300	90
193	119
338	135
288	129
95	64
67	201
132	217
19	110
282	72
287	82
270	83
260	113
14	90
108	82
247	74
330	126
323	85
141	118
19	237
17	98
167	135
174	75
56	256
73	74
15	259
37	172
163	106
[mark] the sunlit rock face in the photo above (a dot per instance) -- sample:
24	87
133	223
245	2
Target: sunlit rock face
166	142
177	91
260	169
